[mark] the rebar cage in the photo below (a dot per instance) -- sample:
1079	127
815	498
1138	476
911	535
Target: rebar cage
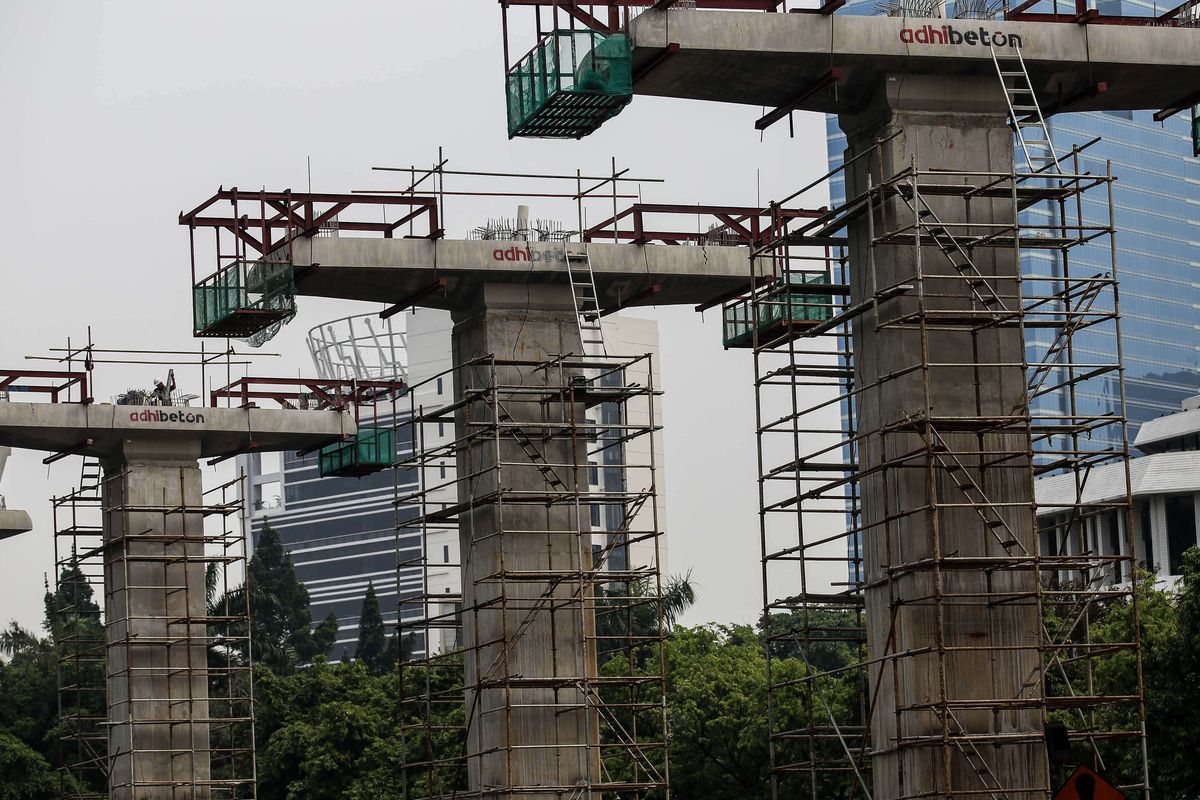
179	726
1022	582
556	641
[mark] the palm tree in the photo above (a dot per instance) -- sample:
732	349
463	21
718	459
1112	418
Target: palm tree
632	615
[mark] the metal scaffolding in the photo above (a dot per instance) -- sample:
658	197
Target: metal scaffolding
187	720
210	729
78	635
587	620
977	574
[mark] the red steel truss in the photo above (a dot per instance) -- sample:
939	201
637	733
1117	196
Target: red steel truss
310	393
736	225
267	223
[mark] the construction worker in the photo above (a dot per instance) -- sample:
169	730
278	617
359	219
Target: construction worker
161	396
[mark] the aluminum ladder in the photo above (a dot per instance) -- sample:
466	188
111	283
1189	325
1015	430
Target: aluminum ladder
1025	114
587	302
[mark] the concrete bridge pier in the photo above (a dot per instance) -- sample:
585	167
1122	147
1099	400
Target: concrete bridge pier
162	721
528	618
959	644
155	599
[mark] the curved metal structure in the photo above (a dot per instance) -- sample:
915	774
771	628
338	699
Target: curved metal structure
360	347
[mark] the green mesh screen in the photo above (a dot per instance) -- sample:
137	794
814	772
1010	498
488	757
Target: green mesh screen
776	308
371	450
569	85
243	298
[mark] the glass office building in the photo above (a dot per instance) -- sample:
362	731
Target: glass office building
341	534
346	533
1157	200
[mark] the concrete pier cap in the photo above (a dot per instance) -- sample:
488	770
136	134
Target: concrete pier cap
769	59
103	431
12	522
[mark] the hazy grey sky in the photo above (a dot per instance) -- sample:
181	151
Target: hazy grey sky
118	115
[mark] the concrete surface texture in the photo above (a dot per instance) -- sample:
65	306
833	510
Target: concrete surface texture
948	124
528	725
390	270
769	59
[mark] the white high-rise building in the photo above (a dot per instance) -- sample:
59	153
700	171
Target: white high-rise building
1165	485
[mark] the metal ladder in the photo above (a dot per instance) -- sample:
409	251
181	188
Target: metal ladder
587	302
1024	113
90	477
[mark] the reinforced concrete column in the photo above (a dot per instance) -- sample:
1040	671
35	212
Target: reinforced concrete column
155	604
528	617
948	662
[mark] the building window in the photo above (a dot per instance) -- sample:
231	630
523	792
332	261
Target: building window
1181	530
439	385
1050	537
594	510
1147	536
441	429
445	554
268	496
442	469
1114	546
270	463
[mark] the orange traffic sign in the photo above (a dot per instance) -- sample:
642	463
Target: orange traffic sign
1085	784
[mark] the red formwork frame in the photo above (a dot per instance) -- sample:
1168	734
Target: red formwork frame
314	393
55	383
267	223
750	226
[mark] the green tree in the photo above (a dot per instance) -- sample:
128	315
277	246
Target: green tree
28	688
325	635
717	701
73	619
279	607
372	644
327	732
24	773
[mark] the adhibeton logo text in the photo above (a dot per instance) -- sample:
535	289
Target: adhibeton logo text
527	253
154	415
944	34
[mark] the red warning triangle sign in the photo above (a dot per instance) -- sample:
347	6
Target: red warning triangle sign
1085	784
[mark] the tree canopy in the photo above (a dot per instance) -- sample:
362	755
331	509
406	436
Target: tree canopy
332	730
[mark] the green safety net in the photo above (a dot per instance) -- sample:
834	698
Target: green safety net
569	85
371	450
773	310
244	299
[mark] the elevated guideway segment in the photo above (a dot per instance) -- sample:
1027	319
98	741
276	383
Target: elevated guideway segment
161	730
